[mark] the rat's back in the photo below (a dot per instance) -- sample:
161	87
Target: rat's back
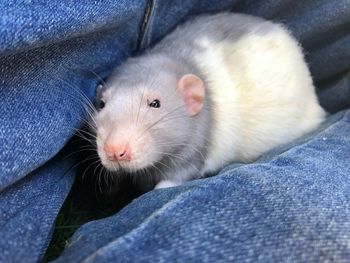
260	88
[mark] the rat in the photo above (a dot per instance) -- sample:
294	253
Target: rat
219	89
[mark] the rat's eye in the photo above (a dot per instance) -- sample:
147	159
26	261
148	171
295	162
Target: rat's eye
154	104
101	104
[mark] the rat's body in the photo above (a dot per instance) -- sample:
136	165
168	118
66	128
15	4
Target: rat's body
230	87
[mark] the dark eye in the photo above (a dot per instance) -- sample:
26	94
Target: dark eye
101	104
154	104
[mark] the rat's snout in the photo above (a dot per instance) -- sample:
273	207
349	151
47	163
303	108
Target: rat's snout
117	152
125	147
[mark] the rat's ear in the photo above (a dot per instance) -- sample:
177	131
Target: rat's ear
192	91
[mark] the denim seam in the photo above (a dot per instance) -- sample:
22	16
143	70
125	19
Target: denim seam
147	25
144	25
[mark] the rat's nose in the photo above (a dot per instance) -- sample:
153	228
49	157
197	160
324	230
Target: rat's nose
117	152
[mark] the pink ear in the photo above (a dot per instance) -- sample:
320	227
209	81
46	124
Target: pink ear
192	91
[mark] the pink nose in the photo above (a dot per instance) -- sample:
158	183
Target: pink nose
117	152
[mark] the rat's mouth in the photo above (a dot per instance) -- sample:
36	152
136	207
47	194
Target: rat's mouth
126	166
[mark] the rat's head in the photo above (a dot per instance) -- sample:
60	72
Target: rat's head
140	120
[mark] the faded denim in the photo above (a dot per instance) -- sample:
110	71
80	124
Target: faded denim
291	205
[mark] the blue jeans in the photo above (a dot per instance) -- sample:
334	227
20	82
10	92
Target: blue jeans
291	205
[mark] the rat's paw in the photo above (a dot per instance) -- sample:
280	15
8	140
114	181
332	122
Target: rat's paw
166	184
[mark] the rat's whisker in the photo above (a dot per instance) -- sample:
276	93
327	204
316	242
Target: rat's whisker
91	164
167	166
86	132
100	78
142	96
159	120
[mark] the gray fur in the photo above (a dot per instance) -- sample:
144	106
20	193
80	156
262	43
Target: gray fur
158	70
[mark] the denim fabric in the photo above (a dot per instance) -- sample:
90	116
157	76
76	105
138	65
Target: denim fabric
34	83
28	209
48	49
292	204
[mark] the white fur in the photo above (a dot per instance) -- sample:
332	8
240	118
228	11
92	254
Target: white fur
166	184
262	94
